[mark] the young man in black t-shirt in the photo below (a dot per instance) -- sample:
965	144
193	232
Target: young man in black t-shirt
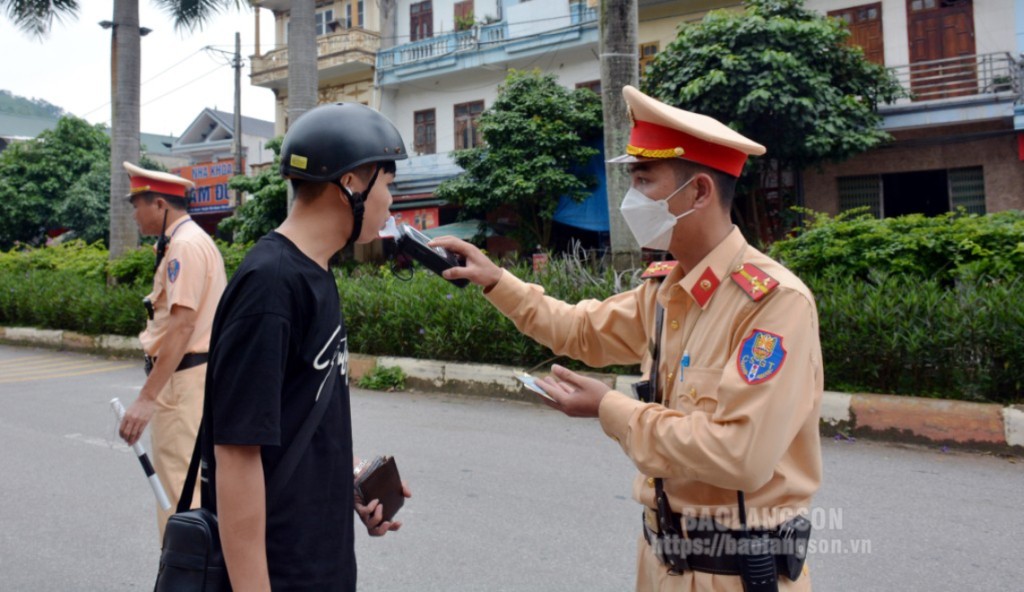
277	337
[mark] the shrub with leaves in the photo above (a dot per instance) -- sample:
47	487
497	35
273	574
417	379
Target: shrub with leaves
384	378
266	206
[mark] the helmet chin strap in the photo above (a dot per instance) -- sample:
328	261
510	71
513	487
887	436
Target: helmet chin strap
357	201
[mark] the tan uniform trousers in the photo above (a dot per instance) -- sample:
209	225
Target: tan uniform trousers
173	429
653	576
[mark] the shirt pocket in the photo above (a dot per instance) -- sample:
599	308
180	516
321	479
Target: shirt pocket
698	391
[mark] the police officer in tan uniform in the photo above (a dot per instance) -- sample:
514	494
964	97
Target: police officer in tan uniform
187	285
731	412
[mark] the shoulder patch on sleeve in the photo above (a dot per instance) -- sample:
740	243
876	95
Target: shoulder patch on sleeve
754	282
173	269
659	269
761	356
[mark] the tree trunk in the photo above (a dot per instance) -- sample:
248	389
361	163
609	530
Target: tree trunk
388	23
124	122
619	67
303	78
302	71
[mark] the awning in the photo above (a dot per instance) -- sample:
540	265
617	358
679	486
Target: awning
417	203
591	213
465	230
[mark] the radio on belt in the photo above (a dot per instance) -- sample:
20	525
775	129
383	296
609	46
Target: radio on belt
413	244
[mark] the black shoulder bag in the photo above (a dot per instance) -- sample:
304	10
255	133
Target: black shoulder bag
192	559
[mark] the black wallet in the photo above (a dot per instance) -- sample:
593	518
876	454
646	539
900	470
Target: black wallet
380	481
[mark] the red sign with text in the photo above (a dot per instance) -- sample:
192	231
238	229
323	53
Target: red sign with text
211	179
419	218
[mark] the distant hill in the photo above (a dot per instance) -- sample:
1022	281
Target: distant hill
15	105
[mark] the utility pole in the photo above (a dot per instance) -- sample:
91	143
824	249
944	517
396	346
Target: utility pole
238	113
619	67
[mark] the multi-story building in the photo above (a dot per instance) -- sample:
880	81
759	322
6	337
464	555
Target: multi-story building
206	150
445	69
348	37
959	138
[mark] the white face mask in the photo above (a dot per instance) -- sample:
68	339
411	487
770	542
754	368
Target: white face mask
649	220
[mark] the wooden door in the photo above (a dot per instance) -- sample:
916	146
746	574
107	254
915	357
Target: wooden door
865	24
942	54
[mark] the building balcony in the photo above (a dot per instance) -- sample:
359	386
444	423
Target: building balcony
494	44
956	90
338	55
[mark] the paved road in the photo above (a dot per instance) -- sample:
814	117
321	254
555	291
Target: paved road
508	496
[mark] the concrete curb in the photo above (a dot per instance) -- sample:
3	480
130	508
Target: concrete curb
986	426
70	340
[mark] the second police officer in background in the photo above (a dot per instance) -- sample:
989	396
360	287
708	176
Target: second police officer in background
187	284
727	443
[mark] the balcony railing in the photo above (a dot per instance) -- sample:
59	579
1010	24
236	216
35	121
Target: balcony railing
477	37
328	47
964	76
447	44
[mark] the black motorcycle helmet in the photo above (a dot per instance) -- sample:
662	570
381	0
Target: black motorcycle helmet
331	140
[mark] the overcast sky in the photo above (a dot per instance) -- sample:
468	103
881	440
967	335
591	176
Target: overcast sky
71	67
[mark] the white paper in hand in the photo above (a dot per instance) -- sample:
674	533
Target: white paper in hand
531	383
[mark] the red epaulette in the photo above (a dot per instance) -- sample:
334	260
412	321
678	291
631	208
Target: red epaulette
756	283
659	269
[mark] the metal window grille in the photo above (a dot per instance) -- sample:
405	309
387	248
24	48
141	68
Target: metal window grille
860	191
967	189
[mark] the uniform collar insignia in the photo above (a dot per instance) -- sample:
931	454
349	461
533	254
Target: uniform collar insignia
704	287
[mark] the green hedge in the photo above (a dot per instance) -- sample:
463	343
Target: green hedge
907	335
905	323
945	248
61	299
427	317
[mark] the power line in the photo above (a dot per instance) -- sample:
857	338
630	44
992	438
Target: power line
150	79
165	71
179	87
175	65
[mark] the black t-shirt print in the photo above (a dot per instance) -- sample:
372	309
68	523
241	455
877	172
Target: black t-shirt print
277	334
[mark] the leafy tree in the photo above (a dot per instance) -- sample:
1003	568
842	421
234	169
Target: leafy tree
782	75
36	177
535	135
84	210
36	17
267	205
59	180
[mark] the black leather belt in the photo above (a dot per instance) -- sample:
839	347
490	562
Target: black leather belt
711	557
187	361
712	552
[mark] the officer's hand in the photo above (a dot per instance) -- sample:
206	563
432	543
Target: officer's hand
136	419
372	515
574	394
479	268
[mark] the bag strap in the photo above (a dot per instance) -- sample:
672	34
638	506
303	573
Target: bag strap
289	460
662	507
659	320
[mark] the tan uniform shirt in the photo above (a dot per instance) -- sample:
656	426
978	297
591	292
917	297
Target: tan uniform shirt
191	275
744	414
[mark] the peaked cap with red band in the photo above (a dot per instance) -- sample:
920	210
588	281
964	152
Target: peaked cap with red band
661	131
144	181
